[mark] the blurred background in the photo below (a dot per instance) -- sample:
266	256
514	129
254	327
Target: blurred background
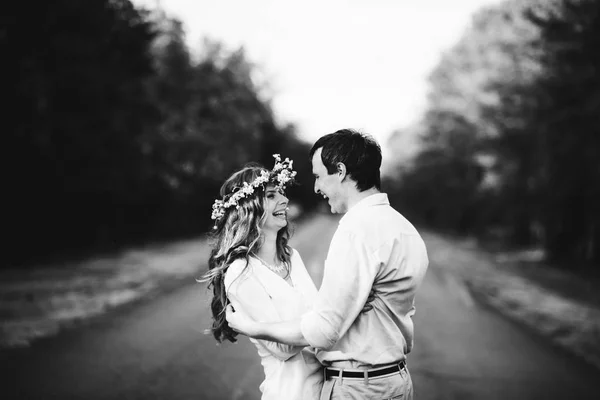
122	126
124	117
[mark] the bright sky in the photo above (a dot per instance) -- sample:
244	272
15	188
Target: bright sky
333	64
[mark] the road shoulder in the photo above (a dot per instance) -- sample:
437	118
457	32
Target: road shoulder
567	316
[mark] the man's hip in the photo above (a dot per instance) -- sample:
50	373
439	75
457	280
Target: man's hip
387	382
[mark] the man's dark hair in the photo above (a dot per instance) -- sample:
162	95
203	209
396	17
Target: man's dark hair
360	154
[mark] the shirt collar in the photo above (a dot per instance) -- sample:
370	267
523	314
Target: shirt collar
377	199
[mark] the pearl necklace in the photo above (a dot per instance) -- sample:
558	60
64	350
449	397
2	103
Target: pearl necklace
275	268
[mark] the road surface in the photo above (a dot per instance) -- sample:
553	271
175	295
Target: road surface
156	349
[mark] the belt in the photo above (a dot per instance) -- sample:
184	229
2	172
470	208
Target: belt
370	373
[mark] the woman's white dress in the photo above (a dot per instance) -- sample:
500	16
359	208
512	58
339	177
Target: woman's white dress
291	372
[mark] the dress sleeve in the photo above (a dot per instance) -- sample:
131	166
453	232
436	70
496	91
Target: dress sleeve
246	291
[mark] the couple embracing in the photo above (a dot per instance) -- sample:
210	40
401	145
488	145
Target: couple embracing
349	339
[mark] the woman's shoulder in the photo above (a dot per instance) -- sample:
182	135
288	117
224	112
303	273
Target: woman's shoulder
295	255
294	252
296	260
235	270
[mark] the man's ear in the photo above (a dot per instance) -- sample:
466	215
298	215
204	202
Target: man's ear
341	171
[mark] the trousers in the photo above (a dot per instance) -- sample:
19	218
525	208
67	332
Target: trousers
395	386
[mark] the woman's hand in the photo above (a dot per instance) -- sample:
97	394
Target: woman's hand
368	306
239	321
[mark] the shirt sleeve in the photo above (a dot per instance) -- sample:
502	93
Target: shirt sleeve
247	291
349	273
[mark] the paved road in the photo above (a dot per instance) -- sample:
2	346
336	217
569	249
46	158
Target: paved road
156	350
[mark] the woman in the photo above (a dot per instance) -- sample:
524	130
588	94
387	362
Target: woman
253	267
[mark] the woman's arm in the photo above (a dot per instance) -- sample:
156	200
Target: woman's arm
248	294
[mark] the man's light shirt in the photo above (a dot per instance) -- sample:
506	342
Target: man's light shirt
374	246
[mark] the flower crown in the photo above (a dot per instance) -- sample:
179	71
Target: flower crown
281	174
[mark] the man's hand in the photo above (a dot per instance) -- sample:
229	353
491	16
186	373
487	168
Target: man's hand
286	332
239	321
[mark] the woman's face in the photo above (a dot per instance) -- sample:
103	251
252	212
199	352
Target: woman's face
276	209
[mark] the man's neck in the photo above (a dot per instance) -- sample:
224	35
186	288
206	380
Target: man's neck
355	196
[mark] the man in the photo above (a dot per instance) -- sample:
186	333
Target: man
376	255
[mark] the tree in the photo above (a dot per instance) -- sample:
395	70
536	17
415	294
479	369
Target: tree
76	87
520	90
569	98
117	134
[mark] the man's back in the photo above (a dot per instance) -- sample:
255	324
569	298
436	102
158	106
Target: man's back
374	247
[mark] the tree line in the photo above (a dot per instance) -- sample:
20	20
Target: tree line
510	140
117	134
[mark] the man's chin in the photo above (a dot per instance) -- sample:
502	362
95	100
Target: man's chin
333	209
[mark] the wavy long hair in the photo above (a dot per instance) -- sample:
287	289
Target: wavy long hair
238	235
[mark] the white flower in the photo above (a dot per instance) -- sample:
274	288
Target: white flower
281	174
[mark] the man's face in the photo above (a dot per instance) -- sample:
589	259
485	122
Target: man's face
328	186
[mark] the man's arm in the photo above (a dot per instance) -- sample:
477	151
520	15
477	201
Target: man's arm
344	294
287	332
346	290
